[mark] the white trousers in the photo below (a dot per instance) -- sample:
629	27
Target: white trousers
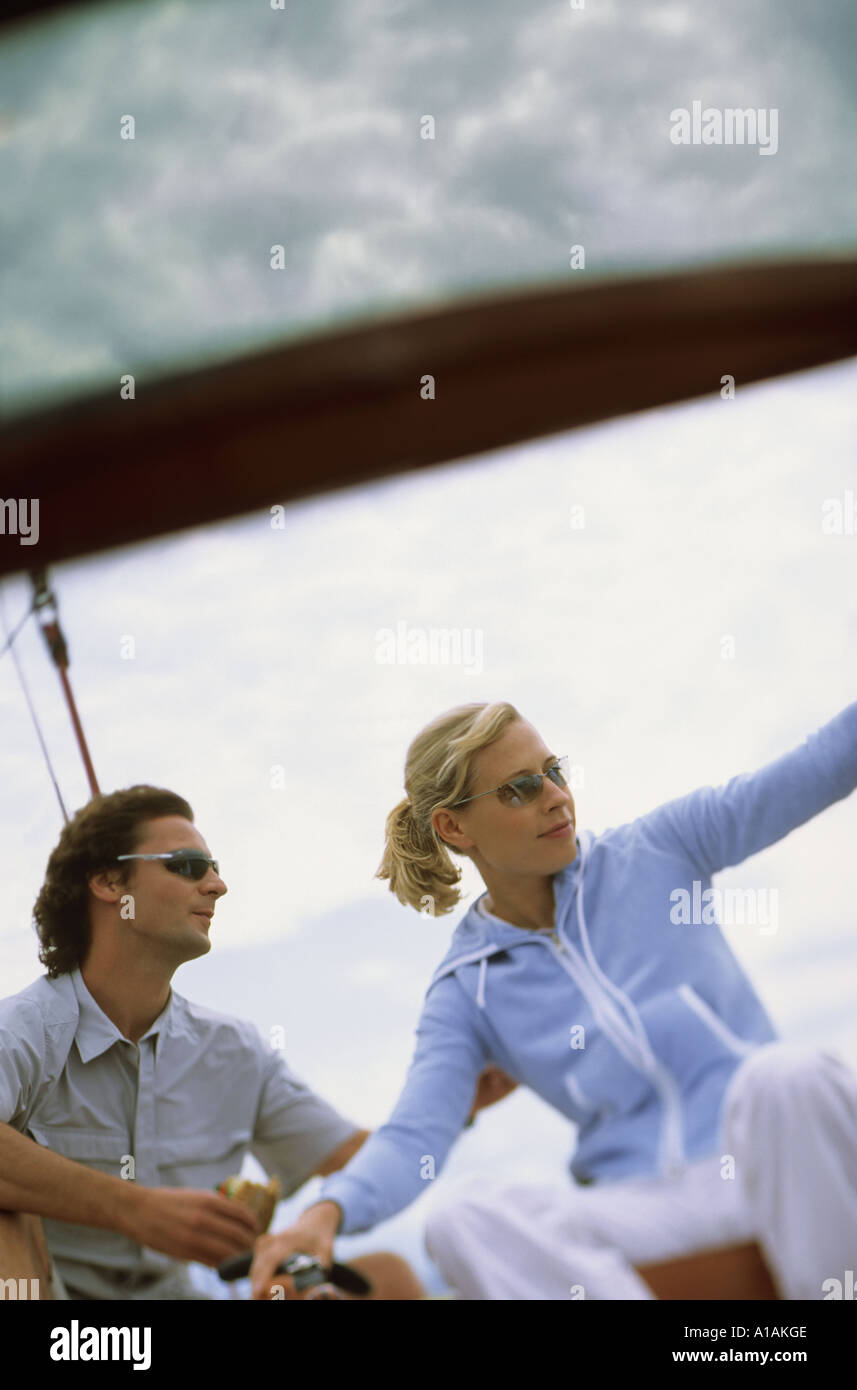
789	1123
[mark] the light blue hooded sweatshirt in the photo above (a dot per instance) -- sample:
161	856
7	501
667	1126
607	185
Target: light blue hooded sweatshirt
631	1016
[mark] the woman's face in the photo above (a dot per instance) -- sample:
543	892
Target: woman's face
509	838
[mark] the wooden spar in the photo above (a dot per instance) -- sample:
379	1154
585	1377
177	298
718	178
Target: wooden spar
338	409
16	14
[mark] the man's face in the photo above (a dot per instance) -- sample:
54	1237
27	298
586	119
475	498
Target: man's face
171	914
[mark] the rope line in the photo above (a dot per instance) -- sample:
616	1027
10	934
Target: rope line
14	655
10	639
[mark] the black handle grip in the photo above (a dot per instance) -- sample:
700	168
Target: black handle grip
344	1276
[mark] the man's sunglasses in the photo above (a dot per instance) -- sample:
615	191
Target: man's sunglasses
189	863
522	790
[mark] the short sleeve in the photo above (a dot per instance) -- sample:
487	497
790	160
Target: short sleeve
295	1128
22	1053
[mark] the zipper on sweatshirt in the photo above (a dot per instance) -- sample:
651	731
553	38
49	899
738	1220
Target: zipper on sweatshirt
672	1152
671	1149
629	1038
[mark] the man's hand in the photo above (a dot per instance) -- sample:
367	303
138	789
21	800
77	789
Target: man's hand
190	1224
312	1234
187	1224
493	1085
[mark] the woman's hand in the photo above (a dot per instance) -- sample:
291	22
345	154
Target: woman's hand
312	1234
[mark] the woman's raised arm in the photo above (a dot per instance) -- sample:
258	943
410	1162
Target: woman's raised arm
716	827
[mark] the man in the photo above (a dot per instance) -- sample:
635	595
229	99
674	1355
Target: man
139	1101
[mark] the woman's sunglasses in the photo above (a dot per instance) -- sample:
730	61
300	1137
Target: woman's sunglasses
522	790
189	863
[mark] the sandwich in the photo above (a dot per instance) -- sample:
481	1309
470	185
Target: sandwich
260	1199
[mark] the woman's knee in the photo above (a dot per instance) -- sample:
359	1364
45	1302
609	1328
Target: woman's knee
785	1064
783	1075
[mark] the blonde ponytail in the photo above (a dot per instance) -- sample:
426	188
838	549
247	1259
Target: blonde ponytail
438	772
417	863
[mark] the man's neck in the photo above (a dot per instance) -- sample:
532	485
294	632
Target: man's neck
132	996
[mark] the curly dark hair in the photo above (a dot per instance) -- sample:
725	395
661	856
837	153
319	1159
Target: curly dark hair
107	826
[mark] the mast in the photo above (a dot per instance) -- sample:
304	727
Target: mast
46	608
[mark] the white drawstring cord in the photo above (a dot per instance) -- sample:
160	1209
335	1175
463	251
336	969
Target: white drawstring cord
480	991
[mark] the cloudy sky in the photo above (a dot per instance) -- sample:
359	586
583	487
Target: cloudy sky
301	127
595	579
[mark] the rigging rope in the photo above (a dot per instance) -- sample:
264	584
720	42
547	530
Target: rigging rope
14	655
6	646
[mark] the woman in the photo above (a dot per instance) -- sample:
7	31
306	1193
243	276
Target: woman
578	974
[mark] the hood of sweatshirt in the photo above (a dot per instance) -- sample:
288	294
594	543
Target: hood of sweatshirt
480	935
